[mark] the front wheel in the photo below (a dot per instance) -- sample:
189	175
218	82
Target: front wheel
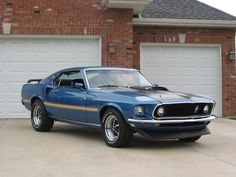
39	117
189	140
116	131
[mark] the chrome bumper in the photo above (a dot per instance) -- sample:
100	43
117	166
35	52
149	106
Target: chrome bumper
172	121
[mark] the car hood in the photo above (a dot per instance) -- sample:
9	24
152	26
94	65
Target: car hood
163	96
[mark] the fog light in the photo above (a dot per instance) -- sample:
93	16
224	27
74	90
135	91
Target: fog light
139	110
206	109
160	111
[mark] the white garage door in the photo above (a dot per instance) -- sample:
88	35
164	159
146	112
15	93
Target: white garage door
28	58
193	69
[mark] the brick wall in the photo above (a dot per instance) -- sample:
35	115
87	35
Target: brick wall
224	37
74	17
83	17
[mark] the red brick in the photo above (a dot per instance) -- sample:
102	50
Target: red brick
80	17
223	37
72	17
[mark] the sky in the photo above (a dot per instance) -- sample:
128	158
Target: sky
228	6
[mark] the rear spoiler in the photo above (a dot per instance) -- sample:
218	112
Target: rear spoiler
34	80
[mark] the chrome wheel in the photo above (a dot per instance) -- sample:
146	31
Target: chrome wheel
116	132
37	115
112	128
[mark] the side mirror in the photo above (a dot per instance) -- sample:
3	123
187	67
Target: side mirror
79	85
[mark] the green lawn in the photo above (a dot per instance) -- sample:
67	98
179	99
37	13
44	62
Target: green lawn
232	117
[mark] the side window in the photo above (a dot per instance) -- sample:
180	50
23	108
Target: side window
57	80
68	79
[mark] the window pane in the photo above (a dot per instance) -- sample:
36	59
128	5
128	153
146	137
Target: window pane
127	78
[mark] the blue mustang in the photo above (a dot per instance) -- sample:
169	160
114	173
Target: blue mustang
119	101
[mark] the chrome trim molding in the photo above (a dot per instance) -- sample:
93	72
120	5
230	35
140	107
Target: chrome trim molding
108	68
183	117
26	101
101	69
76	122
172	121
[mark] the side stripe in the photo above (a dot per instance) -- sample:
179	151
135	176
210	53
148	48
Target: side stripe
26	101
72	107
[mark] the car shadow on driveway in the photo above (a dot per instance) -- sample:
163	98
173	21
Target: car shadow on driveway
92	134
77	131
140	142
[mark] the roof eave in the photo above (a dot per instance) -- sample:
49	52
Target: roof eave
137	5
184	22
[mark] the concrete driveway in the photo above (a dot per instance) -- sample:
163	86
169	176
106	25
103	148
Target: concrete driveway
71	151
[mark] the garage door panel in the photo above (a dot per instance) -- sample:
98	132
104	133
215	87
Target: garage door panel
210	52
205	71
15	108
39	67
20	55
2	108
13	88
2	66
18	79
17	67
193	69
35	58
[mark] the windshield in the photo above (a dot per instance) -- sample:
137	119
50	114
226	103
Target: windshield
116	78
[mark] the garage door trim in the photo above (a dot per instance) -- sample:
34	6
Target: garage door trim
193	45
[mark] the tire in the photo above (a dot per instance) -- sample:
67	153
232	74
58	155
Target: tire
116	132
190	140
39	117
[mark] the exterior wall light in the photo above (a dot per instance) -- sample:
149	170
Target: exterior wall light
6	28
182	37
112	48
231	55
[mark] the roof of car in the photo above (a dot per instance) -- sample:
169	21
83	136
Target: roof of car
94	68
184	9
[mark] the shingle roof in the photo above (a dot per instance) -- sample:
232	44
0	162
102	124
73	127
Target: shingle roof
184	9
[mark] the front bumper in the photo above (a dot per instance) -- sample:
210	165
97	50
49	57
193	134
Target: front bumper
172	128
171	120
173	134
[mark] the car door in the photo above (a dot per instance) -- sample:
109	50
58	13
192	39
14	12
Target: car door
64	101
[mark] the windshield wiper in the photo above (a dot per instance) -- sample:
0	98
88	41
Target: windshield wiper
140	86
110	85
157	87
146	87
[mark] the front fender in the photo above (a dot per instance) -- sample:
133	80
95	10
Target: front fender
114	105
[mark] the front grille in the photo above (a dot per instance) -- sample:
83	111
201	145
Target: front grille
185	109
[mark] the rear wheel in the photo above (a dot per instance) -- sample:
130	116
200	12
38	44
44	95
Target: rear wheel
39	117
116	131
189	140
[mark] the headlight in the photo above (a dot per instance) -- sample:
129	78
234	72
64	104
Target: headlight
139	110
206	109
160	111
